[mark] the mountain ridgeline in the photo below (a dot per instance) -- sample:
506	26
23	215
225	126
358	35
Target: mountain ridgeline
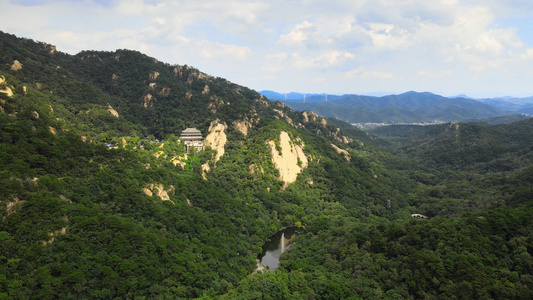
100	199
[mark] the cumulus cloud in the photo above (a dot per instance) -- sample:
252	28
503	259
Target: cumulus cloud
302	42
435	75
363	73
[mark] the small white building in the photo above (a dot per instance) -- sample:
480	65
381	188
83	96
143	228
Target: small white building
193	139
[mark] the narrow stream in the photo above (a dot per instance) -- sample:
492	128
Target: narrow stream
278	243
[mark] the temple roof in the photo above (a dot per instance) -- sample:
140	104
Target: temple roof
191	131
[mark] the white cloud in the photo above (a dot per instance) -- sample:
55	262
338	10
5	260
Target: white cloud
362	73
210	51
299	41
442	74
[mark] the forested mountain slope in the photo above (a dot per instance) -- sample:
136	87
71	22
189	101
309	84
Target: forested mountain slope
81	219
478	147
406	107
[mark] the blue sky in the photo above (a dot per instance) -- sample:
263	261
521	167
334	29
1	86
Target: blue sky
482	48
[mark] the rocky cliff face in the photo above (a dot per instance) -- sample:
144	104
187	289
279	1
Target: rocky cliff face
289	158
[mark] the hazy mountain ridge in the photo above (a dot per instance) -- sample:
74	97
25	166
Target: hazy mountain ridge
407	107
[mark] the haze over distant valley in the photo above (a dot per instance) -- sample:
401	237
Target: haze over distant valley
409	107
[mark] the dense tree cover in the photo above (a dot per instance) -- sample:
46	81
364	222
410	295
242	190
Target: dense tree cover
407	107
81	220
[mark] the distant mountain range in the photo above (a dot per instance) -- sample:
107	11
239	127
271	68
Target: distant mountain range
407	107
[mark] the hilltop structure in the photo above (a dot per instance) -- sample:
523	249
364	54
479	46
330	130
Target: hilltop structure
193	139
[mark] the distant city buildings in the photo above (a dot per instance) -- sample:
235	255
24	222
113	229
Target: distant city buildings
193	139
370	125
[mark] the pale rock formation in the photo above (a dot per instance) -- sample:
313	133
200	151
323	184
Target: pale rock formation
338	136
280	113
148	101
165	91
35	114
202	75
179	161
309	117
64	198
291	161
52	49
216	139
242	126
283	116
188	95
205	168
152	85
24	90
16	65
11	207
6	90
112	111
206	89
154	75
178	71
158	190
52	130
342	151
148	192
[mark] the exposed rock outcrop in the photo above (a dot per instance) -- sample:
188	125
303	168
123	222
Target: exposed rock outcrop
148	101
6	90
342	151
12	206
290	161
16	65
216	139
205	168
157	189
206	89
242	126
112	111
309	116
153	75
165	91
179	161
341	138
283	116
